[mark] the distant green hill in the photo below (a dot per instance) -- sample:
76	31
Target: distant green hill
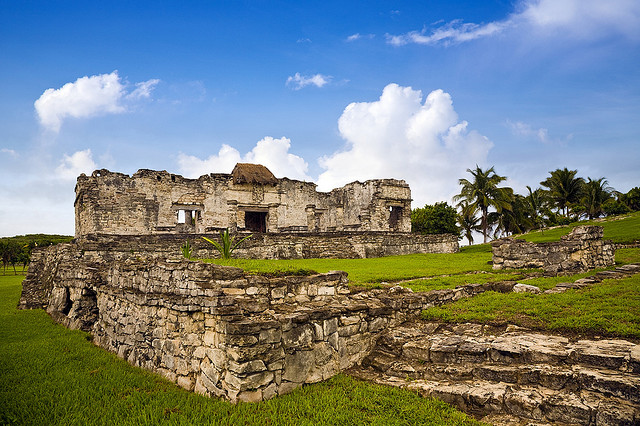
38	240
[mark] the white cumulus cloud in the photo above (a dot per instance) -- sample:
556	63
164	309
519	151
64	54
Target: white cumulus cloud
400	136
71	166
272	153
87	97
581	19
299	81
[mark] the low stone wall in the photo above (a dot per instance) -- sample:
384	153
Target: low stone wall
213	329
581	250
345	245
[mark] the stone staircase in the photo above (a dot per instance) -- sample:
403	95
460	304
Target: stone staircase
510	375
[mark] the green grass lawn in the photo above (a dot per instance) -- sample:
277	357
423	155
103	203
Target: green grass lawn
366	272
609	308
453	281
50	375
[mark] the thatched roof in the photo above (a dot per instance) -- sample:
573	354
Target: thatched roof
253	173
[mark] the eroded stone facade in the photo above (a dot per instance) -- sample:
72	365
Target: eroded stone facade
581	250
155	202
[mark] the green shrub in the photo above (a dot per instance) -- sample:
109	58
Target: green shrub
439	218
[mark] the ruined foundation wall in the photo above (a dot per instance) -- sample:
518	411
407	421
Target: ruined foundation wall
581	250
344	245
214	329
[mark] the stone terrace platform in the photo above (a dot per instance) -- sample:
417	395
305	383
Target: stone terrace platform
511	375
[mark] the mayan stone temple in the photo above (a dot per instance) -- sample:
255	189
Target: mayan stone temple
223	332
288	218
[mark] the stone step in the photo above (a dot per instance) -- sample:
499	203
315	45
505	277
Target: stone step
518	404
474	343
573	378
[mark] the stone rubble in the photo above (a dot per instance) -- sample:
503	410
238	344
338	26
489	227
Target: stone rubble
619	272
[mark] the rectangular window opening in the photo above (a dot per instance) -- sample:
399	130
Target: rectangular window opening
255	221
395	214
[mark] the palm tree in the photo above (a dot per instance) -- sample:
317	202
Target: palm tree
537	206
512	221
468	221
564	188
482	193
594	194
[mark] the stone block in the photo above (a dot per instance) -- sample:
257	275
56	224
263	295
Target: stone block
186	382
270	392
348	330
288	387
248	382
318	333
326	291
216	356
278	292
254	366
270	335
250	396
234	291
349	320
209	338
526	288
378	324
298	366
330	326
299	337
241	340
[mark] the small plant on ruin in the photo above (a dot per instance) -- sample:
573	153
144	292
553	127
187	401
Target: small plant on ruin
227	245
187	250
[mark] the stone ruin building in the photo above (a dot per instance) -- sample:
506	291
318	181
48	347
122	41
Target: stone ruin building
287	218
251	198
222	332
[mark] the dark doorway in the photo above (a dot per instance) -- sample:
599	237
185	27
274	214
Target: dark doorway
255	221
395	214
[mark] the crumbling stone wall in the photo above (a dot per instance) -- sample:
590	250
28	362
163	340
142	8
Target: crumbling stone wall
581	250
213	329
344	245
153	202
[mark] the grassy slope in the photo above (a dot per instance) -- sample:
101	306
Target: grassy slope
610	308
51	375
619	229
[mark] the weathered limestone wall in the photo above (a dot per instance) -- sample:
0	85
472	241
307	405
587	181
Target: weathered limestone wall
345	245
151	202
213	329
581	250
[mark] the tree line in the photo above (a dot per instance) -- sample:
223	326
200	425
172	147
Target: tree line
17	250
493	210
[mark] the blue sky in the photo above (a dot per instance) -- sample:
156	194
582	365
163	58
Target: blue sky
328	91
